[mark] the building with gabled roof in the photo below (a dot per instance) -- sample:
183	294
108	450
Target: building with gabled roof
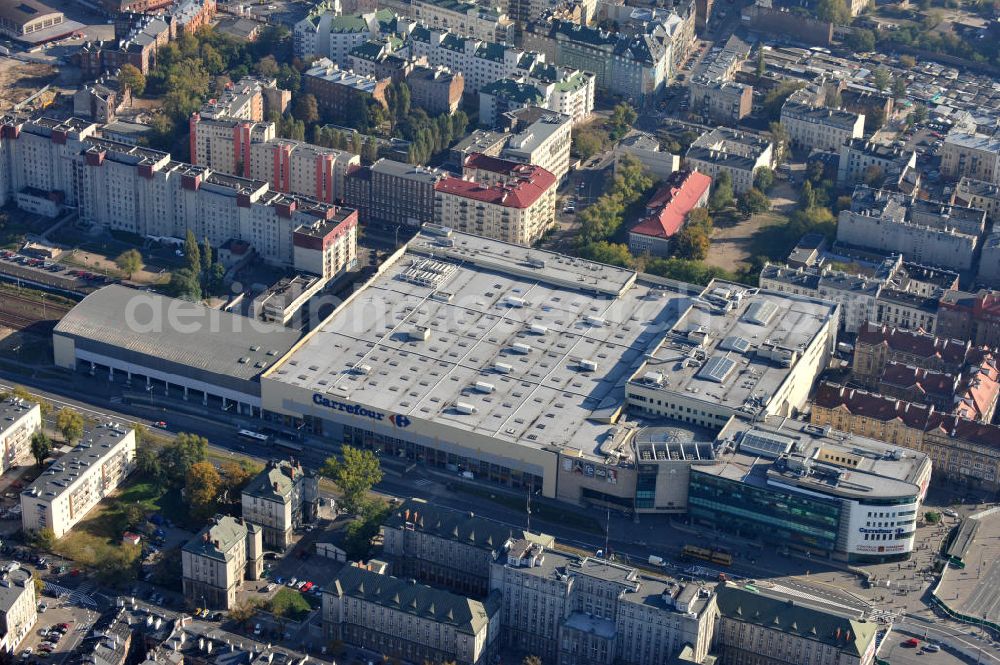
757	627
407	620
667	211
878	345
279	499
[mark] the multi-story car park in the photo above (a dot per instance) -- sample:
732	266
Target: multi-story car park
77	481
800	485
19	419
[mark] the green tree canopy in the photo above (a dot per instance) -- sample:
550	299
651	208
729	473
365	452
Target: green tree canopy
130	77
41	447
354	475
129	262
70	423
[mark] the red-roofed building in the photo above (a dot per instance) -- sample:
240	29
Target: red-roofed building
497	198
666	211
877	345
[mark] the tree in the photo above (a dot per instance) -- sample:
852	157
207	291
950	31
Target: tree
874	175
907	61
807	197
130	77
753	201
236	475
241	613
919	114
763	178
360	532
70	423
614	254
132	514
932	517
834	11
369	151
43	539
306	108
148	462
779	136
761	65
180	455
692	242
354	475
623	116
41	447
184	284
129	262
881	78
202	489
722	191
899	87
206	256
192	252
531	660
267	66
860	40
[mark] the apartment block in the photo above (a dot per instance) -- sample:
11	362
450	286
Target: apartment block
72	486
861	160
137	45
506	200
20	420
856	294
878	345
464	18
571	94
223	143
447	548
814	127
756	628
738	153
975	156
217	560
928	232
332	35
666	212
278	501
436	89
571	610
409	621
391	192
339	92
972	316
714	93
144	191
646	149
296	167
18	605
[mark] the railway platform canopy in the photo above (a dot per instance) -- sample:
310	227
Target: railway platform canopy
165	344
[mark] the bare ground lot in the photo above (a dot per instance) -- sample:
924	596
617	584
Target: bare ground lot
19	80
733	242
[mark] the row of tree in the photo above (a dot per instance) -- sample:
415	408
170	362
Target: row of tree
202	275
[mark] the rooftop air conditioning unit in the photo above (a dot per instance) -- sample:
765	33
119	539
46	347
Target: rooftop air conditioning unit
484	387
523	349
466	408
502	368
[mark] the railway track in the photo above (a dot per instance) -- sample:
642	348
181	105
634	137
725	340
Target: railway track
18	312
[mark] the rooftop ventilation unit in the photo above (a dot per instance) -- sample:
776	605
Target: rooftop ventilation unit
596	321
523	349
514	301
484	387
588	365
362	368
502	368
419	334
466	408
537	329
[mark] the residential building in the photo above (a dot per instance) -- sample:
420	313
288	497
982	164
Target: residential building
540	137
109	640
645	148
918	385
464	18
296	167
963	451
972	316
815	127
903	309
870	162
391	192
975	156
18	605
377	58
435	89
878	345
506	200
223	143
506	95
856	294
217	560
928	232
143	191
738	153
989	262
565	609
972	193
339	92
21	419
72	486
136	46
190	15
278	501
758	628
447	548
850	499
714	93
333	36
33	22
409	621
101	100
666	212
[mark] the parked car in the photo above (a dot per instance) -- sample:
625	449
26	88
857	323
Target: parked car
293	582
933	648
257	630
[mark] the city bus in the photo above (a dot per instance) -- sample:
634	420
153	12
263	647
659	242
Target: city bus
255	437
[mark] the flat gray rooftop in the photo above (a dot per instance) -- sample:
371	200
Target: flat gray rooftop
92	449
716	351
817	459
123	321
507	332
12	410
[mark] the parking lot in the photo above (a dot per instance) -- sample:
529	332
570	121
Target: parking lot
43	647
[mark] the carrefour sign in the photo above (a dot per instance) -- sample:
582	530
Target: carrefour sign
356	410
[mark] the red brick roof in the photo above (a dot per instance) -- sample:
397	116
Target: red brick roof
979	393
939	384
671	204
532	181
963	429
872	405
916	343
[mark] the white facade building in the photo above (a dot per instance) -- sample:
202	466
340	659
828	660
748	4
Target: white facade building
70	488
216	561
738	153
19	420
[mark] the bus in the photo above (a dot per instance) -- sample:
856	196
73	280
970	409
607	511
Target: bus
256	437
288	446
717	556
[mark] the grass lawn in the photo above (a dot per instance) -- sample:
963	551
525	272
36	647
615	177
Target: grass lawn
98	537
294	605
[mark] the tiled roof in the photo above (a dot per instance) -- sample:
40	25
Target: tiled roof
672	202
872	405
916	343
963	429
937	384
980	389
532	181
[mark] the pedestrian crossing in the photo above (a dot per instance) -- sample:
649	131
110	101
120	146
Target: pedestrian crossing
423	482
